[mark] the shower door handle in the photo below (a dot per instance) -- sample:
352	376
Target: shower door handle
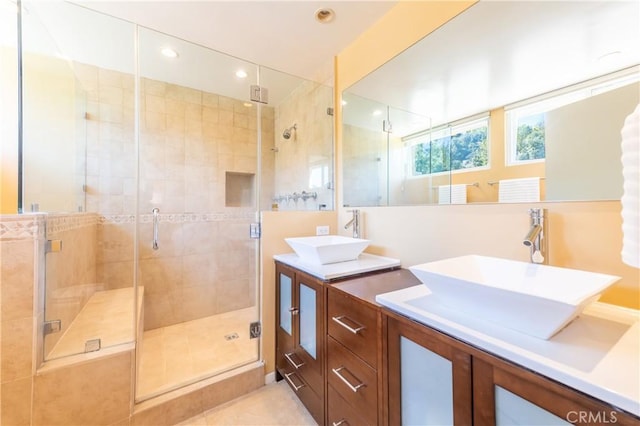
156	218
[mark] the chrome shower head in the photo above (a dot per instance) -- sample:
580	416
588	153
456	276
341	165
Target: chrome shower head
288	132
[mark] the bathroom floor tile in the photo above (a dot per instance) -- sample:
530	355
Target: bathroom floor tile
273	404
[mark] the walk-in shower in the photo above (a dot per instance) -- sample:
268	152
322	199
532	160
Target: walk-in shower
151	172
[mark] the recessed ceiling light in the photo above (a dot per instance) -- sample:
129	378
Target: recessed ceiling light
241	74
169	52
324	15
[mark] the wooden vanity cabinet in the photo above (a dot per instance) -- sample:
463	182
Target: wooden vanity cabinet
300	336
504	393
355	327
436	379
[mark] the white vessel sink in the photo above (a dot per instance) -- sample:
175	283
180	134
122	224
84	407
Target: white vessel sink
324	249
538	300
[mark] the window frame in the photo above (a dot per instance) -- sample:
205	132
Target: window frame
438	132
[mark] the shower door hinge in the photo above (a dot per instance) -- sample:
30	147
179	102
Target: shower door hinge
53	246
50	327
386	126
255	231
255	330
259	94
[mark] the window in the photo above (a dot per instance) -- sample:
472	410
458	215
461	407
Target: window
525	136
462	146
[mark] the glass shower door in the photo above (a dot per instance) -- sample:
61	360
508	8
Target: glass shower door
198	191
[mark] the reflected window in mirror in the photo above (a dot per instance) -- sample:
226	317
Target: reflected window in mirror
461	146
526	121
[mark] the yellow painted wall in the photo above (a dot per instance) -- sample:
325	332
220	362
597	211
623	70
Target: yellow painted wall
583	235
276	226
8	131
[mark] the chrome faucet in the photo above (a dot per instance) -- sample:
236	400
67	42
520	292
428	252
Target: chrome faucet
354	223
536	238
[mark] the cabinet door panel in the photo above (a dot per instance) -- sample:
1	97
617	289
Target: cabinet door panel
514	410
310	344
308	314
285	303
426	385
429	379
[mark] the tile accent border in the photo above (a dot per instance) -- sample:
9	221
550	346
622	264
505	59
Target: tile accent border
22	227
180	217
61	222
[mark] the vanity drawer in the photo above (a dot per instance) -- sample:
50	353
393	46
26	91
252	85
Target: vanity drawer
354	380
305	393
354	324
294	361
340	412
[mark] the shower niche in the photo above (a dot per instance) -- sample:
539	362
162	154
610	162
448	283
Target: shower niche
239	189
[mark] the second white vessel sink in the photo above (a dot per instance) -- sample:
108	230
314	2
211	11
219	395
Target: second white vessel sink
325	249
538	300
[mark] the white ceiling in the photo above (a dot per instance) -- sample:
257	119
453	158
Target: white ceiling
282	35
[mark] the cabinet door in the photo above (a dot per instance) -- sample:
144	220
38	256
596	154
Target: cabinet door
286	315
429	379
309	345
505	394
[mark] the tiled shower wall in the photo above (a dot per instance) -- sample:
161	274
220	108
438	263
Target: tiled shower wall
19	240
189	141
305	161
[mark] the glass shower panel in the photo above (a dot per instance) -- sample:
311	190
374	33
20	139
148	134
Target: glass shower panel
406	185
297	143
365	165
79	150
198	194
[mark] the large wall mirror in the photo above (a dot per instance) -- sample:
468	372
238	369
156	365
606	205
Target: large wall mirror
507	102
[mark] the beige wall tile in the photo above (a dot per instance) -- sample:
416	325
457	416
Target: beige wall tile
226	390
16	402
170	412
96	392
17	279
17	348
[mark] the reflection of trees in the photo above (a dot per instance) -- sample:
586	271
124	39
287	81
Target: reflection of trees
460	151
530	145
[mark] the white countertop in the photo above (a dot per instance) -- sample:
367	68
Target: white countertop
365	263
598	353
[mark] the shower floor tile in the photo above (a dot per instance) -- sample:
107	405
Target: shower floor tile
184	353
273	404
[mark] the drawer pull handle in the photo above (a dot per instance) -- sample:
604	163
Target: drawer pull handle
291	361
355	388
341	422
288	377
347	326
